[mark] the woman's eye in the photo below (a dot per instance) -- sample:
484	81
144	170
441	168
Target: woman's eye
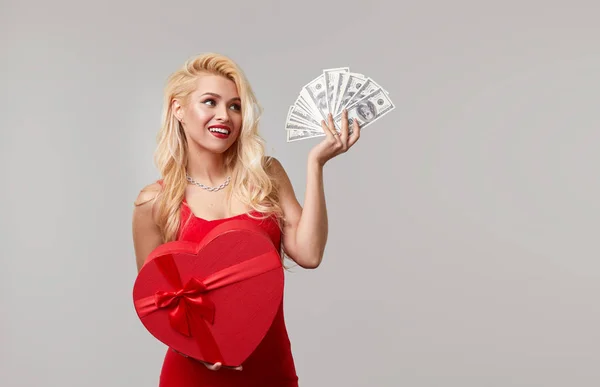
213	103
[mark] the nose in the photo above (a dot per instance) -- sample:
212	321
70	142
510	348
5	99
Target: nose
222	113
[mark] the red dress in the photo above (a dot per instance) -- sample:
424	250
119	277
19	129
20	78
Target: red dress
270	365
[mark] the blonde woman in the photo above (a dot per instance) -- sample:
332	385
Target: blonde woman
213	168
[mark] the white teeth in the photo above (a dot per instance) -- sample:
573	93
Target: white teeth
219	130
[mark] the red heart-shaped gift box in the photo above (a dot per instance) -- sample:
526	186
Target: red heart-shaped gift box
214	300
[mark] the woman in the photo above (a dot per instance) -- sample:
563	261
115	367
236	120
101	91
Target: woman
213	168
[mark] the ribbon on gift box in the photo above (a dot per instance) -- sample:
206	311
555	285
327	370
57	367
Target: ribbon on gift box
190	301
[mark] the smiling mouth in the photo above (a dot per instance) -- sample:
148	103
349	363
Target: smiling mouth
219	130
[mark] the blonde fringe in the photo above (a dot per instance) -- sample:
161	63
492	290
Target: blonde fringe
251	183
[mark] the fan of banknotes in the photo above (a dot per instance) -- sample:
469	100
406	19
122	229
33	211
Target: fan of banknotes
332	91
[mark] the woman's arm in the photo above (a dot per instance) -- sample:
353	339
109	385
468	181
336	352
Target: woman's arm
305	230
146	234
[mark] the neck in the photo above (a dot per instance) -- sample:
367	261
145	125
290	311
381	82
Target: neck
206	167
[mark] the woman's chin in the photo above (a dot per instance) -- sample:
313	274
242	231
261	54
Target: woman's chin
212	144
215	148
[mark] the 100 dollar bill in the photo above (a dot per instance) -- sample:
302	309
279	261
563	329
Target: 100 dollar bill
368	110
301	134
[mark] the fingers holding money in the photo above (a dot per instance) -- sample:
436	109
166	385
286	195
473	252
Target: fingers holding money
355	133
348	134
336	142
330	130
344	130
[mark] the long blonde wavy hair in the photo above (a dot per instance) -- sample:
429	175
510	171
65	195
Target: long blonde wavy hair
250	182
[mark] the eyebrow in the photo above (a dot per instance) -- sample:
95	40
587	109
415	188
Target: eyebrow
218	96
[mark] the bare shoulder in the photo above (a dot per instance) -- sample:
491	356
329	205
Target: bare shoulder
147	194
274	167
145	211
287	196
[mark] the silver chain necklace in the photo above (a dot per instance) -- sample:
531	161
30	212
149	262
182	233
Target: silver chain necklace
212	189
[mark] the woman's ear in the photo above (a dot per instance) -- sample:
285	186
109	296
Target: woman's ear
177	110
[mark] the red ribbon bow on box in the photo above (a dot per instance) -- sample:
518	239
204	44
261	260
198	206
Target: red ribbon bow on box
184	302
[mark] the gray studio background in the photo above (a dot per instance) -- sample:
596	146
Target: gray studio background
463	243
